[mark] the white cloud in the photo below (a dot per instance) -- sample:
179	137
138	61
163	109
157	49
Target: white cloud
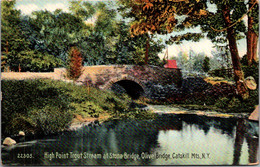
53	7
27	9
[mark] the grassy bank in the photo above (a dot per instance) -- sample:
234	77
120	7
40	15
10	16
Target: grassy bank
45	106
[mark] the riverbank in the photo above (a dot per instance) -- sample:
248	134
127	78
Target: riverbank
170	109
79	122
45	106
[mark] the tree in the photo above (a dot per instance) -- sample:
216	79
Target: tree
17	52
96	44
206	66
192	64
220	60
74	68
198	61
109	40
52	32
146	20
12	40
161	17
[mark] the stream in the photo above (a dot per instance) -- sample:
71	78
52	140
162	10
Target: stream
170	139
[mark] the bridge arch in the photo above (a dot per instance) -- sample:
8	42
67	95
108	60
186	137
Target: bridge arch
133	87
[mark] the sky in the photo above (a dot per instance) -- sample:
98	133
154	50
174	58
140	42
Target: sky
204	45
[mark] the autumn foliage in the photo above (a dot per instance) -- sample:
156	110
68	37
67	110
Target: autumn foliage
74	68
156	16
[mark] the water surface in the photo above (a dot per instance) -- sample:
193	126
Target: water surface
168	140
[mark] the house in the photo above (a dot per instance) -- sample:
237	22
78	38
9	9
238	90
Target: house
171	64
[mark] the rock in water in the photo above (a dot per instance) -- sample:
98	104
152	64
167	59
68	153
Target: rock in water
21	133
9	142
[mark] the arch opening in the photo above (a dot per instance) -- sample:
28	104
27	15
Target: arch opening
133	89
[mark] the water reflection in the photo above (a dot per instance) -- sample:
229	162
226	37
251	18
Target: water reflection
139	141
244	131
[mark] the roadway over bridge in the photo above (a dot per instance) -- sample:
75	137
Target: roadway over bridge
135	80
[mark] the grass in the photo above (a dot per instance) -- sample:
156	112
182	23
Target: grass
45	106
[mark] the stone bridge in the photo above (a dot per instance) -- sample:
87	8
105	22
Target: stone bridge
134	80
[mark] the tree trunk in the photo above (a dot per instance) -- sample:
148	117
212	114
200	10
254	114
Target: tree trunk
249	39
238	73
146	51
252	38
254	47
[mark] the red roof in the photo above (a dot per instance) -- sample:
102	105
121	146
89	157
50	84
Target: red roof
171	64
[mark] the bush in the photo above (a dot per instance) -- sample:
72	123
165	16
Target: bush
22	97
38	62
74	68
222	102
50	119
89	107
236	105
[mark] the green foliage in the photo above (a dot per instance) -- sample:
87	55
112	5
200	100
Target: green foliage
53	32
222	102
50	119
83	10
234	104
41	41
16	44
89	107
118	47
12	40
22	97
109	40
38	62
244	60
137	114
3	62
191	61
205	65
116	106
105	19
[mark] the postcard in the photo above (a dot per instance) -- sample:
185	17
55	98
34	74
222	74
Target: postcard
129	82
